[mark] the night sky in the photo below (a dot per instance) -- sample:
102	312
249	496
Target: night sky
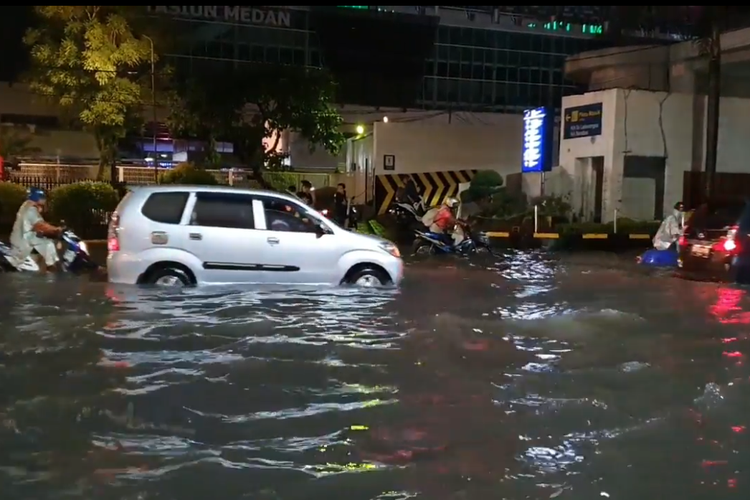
13	55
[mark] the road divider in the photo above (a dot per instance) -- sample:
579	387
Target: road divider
585	236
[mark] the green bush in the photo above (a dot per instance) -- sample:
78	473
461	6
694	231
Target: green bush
12	195
187	173
280	181
484	184
82	204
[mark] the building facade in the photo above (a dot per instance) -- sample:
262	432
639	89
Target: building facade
480	58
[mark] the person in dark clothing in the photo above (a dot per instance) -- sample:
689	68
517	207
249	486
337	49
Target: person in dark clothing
306	193
340	206
411	192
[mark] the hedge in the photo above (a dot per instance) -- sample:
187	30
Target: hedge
81	205
187	173
12	195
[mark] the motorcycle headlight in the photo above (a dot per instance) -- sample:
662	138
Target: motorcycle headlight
83	246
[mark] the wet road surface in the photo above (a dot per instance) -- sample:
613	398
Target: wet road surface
568	378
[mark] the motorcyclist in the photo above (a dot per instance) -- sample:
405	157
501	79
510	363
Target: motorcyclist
670	228
31	232
444	220
411	192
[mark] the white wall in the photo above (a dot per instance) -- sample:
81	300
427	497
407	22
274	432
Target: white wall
641	123
359	160
457	141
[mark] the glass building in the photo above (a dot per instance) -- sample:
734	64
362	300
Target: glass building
465	67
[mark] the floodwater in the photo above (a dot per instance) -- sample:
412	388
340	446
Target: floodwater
534	378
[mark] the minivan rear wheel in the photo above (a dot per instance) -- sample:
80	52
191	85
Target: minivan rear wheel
369	277
168	276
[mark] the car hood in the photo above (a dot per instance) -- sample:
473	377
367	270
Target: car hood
376	240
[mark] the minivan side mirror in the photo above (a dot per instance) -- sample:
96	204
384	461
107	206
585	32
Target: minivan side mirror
321	230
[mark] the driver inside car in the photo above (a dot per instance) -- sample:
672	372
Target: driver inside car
31	232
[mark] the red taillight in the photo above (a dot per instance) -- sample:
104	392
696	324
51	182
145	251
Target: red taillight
682	241
113	244
728	244
113	241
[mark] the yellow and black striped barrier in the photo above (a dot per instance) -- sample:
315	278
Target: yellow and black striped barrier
433	186
585	236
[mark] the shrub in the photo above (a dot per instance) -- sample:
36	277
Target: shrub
280	181
484	184
187	173
12	195
82	204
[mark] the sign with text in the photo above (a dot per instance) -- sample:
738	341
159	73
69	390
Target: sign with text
536	127
389	162
227	13
582	121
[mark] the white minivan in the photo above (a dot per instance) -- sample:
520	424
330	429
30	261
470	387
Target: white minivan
196	235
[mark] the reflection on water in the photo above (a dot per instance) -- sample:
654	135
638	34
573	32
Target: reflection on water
527	378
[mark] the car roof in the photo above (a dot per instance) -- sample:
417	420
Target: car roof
168	188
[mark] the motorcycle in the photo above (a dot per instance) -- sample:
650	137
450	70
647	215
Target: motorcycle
406	213
429	243
658	258
352	215
75	256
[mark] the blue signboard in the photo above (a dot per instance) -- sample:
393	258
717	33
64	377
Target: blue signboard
536	136
582	121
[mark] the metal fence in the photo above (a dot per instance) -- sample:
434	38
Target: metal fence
49	176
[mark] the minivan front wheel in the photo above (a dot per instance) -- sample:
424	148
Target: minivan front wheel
369	277
168	276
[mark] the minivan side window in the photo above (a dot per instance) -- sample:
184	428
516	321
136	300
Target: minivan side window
284	216
166	208
223	210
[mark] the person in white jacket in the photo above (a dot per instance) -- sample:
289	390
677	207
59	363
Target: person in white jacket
670	229
31	232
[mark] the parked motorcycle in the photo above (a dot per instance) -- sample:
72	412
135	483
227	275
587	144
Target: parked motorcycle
352	215
408	215
429	243
75	256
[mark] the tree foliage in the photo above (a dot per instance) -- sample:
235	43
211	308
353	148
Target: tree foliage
85	59
247	105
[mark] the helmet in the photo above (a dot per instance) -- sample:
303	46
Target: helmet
450	202
36	194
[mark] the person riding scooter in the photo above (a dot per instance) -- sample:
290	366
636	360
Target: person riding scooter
442	220
670	229
31	233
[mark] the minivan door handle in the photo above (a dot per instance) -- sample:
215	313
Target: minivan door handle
272	241
196	236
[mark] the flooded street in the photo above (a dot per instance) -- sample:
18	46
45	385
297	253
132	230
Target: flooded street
533	378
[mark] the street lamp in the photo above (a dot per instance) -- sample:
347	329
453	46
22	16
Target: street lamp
153	107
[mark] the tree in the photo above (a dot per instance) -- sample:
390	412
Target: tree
246	105
15	141
85	59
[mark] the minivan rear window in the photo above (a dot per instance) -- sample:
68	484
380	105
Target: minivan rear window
166	208
717	216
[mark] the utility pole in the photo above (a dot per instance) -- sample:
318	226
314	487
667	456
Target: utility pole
153	108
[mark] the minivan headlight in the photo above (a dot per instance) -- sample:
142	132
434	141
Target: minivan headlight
390	248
